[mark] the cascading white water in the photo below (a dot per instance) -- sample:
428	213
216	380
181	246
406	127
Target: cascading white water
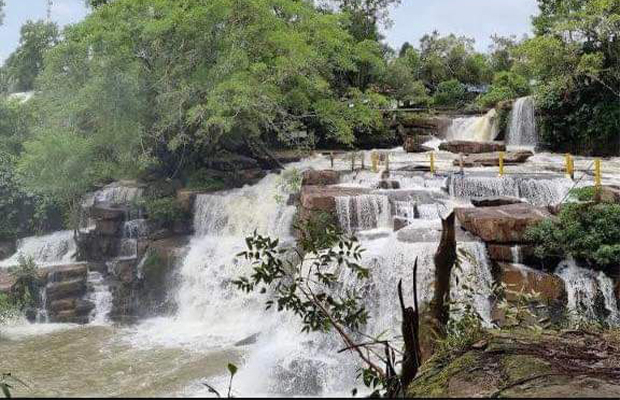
540	192
585	290
100	296
522	123
477	129
363	212
55	248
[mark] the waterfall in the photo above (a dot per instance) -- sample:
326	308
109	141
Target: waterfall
100	296
476	129
540	192
522	123
590	294
53	249
359	213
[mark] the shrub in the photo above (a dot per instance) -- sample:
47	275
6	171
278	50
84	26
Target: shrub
450	93
204	179
506	86
586	232
165	211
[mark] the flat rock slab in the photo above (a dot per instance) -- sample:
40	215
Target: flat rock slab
494	201
320	178
492	159
468	147
323	198
503	224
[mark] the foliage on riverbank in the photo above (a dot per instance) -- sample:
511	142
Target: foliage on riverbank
587	232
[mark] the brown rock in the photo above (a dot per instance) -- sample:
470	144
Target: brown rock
467	147
108	227
492	159
413	144
320	178
186	199
494	201
400	223
519	278
504	224
610	194
524	254
107	211
6	282
67	289
67	272
323	198
7	248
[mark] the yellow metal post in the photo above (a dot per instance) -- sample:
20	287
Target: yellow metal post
432	162
501	163
374	159
597	173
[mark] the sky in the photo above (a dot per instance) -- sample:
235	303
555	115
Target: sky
412	19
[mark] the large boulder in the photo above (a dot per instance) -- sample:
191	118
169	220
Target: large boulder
323	198
503	224
320	178
74	288
492	159
519	278
467	147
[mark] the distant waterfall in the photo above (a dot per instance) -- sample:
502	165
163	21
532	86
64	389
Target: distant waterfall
522	123
475	129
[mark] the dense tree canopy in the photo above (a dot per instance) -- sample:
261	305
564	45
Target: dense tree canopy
575	58
142	82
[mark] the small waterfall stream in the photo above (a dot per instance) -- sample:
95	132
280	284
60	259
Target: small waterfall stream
522	123
477	129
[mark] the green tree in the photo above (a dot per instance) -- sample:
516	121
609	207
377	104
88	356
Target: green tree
443	58
1	12
575	58
25	64
159	83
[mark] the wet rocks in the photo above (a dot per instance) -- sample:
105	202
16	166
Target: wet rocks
610	194
519	278
519	254
323	198
7	248
320	178
503	224
492	159
413	144
494	201
467	147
